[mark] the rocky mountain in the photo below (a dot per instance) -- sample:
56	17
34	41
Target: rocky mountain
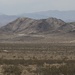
32	26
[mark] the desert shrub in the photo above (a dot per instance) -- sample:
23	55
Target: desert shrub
48	71
11	70
68	69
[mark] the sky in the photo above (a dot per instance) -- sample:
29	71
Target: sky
13	7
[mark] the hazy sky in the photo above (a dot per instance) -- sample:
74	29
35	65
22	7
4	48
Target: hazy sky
25	6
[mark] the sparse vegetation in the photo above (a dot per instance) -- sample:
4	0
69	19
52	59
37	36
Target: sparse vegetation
37	59
11	70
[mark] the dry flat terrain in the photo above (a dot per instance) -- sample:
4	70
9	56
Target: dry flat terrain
37	58
39	51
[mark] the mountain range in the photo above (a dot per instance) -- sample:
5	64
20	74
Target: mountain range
67	16
41	26
32	26
47	26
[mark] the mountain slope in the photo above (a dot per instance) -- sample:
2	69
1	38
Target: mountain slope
68	27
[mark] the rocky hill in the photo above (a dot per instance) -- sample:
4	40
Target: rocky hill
32	26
